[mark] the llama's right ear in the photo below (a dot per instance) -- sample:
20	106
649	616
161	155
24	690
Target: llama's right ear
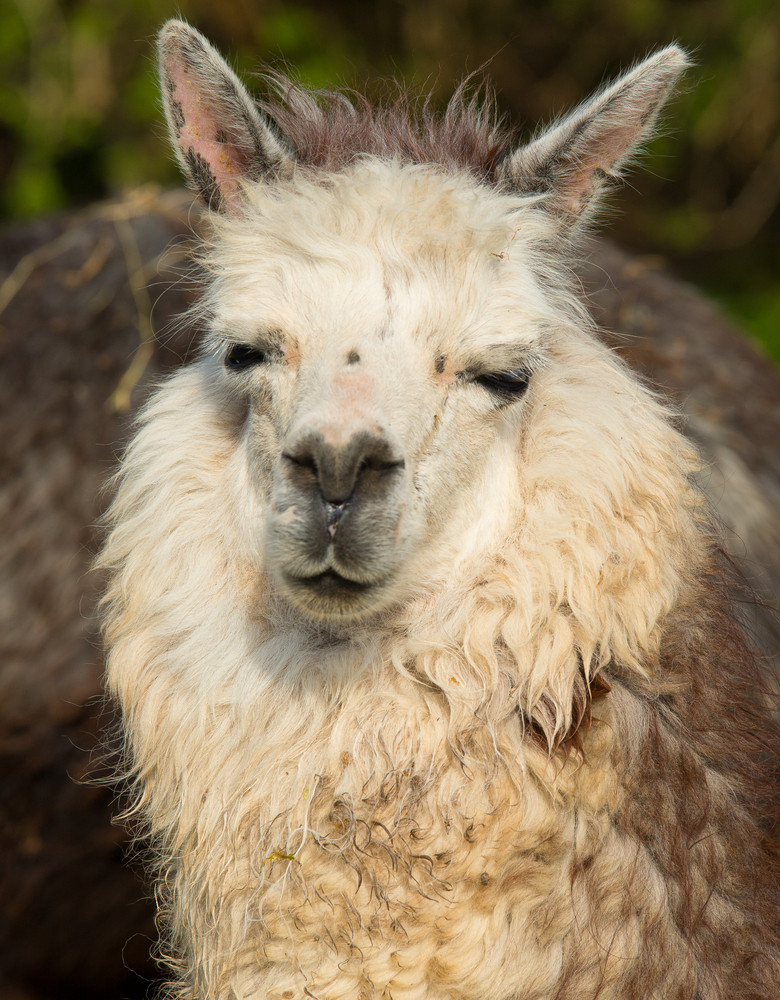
219	135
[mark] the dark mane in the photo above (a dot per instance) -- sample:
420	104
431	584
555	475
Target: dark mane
330	129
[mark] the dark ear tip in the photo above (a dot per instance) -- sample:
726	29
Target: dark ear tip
171	28
177	34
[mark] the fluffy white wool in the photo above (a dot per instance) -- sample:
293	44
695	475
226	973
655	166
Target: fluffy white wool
276	758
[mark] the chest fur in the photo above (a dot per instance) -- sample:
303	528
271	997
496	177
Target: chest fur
362	873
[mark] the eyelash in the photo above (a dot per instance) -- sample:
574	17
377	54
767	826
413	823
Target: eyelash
507	385
241	356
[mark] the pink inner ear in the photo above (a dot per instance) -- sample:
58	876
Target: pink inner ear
604	151
199	132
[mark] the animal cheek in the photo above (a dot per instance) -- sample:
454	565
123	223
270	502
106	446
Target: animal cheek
261	445
261	476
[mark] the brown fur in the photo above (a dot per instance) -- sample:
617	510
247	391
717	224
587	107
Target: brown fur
702	797
329	130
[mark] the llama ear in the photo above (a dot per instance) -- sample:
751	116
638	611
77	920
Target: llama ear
570	162
217	131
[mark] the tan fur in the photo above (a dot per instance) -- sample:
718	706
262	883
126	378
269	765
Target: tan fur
521	767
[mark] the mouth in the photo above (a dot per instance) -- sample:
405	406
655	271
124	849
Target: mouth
332	583
331	595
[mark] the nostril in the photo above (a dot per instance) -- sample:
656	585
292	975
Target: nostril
303	460
361	462
387	465
379	463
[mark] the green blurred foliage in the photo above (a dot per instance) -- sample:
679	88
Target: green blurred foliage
79	116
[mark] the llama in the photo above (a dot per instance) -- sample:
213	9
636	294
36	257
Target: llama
430	679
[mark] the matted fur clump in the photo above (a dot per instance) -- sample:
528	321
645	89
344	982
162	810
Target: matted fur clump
431	682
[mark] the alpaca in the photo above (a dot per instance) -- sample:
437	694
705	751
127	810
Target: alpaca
430	679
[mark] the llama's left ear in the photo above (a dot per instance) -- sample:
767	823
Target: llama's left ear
218	133
571	161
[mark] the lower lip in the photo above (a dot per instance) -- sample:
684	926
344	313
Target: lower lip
331	583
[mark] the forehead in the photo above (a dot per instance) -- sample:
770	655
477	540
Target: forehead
378	249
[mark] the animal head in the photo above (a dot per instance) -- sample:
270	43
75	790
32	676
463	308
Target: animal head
389	318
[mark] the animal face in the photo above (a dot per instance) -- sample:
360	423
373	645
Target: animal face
381	334
378	398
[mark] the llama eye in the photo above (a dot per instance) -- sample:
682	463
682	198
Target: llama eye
507	384
243	356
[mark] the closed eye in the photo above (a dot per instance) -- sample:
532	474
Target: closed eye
243	356
508	384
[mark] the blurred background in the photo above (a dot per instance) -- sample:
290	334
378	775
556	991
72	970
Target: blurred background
79	118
